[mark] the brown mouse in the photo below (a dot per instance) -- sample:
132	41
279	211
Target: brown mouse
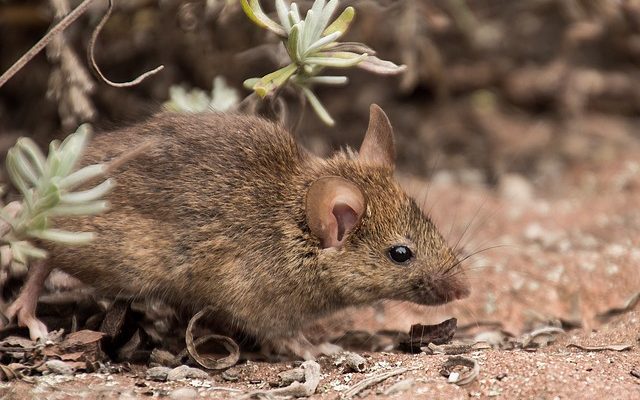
228	211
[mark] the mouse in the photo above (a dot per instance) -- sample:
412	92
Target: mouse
228	211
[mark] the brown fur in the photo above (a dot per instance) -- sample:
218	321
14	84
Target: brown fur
214	214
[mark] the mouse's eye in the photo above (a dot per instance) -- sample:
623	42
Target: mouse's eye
400	254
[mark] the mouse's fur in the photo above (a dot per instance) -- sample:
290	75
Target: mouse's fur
214	213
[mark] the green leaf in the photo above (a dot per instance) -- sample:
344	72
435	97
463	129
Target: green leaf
91	208
328	80
49	198
283	10
293	43
272	81
52	164
250	83
58	235
23	250
24	167
16	251
254	12
90	194
38	222
322	42
32	151
72	148
15	176
309	24
336	61
294	14
341	24
318	107
81	176
327	13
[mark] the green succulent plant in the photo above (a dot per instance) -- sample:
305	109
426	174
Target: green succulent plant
222	98
47	186
312	46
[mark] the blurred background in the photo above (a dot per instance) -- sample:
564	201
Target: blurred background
522	116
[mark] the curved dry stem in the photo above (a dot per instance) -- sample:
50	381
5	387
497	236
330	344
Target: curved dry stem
92	60
226	342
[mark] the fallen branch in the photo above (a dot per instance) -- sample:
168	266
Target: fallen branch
42	43
373	380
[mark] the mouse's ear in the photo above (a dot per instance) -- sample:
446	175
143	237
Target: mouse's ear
378	147
334	207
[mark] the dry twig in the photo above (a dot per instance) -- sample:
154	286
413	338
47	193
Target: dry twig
92	45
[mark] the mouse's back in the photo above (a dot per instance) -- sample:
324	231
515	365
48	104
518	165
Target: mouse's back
210	185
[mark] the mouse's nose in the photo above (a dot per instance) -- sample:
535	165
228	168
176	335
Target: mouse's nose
461	292
453	288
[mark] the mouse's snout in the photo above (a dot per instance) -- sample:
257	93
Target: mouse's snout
453	288
450	284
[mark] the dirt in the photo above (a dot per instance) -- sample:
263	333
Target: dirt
519	122
569	255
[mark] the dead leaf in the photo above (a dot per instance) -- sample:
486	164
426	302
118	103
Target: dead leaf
206	361
459	378
14	371
541	337
114	320
421	335
78	346
612	347
18	342
612	312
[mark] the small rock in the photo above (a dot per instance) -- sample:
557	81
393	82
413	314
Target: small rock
514	187
185	372
59	367
183	394
231	375
290	376
355	362
158	373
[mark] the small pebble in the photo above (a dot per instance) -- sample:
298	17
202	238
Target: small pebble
514	187
185	372
158	373
290	376
355	362
453	377
183	394
231	375
59	367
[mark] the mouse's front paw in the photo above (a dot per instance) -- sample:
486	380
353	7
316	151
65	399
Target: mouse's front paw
22	311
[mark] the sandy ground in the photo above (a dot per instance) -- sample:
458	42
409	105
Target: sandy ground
566	255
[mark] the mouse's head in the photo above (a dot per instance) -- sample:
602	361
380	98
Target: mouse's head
376	242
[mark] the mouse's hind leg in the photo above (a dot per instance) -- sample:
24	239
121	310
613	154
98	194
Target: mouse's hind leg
23	307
